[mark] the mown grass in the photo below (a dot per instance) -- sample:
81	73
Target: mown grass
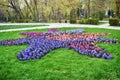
19	26
60	64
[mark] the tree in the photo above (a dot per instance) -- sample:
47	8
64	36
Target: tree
88	6
29	7
16	6
117	3
56	9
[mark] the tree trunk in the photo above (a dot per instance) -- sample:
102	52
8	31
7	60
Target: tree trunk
28	6
117	2
16	9
88	12
36	10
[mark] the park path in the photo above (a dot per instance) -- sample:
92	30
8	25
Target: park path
57	25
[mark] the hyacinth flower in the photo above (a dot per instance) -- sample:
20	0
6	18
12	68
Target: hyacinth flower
40	44
75	31
106	40
41	50
96	52
19	41
53	30
32	34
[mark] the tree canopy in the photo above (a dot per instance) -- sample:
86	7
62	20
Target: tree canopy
37	10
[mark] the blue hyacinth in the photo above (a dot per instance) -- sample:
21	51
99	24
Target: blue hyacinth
40	46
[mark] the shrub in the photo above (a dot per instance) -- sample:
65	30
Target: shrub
89	21
100	15
83	21
93	21
27	20
21	21
72	21
114	22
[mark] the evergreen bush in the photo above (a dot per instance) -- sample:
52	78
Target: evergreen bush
72	21
114	22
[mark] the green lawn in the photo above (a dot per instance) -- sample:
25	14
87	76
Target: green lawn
19	26
60	64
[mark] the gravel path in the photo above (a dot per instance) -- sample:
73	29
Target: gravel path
56	25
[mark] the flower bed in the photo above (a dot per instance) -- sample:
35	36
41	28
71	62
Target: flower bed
42	43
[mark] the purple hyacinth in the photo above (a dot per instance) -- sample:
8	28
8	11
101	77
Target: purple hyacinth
39	45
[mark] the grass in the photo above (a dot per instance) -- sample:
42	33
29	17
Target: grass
19	26
60	64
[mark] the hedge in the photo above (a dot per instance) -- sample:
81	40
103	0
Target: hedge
21	21
72	21
89	21
114	22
